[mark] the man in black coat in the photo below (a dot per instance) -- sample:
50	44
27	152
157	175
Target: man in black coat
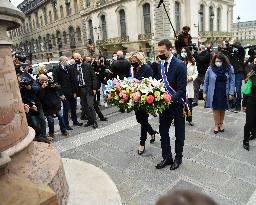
86	85
184	39
51	103
65	78
176	74
202	62
120	67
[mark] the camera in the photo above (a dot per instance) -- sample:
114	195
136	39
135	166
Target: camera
25	81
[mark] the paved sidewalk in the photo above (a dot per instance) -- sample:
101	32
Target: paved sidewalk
214	164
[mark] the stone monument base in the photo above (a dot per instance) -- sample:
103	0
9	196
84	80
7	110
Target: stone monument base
36	167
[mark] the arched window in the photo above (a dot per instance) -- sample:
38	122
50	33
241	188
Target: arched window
177	15
68	8
55	11
88	3
49	41
211	18
218	19
50	16
33	24
61	11
64	37
146	18
202	19
39	43
41	21
45	15
59	41
53	40
122	23
104	27
72	37
91	36
75	6
78	34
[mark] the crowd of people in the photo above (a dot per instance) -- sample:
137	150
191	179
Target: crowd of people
186	69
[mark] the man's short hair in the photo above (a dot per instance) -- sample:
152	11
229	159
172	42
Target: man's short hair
63	58
186	28
165	42
185	198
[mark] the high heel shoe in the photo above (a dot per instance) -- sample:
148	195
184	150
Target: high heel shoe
221	130
216	131
246	145
153	137
140	152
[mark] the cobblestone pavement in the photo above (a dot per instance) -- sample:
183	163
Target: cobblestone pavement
213	164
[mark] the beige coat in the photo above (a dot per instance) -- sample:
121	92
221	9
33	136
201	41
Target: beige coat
193	73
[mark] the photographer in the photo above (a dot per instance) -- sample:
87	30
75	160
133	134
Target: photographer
184	39
51	104
236	55
33	109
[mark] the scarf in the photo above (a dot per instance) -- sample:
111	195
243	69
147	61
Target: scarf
247	89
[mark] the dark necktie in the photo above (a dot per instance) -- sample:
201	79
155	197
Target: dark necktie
165	67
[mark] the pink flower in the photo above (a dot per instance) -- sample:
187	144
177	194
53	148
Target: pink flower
122	92
150	99
136	96
125	96
166	97
114	81
109	97
118	87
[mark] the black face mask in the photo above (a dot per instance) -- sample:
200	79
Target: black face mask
163	57
135	65
78	61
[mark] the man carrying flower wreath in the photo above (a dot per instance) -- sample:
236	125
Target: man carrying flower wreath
174	74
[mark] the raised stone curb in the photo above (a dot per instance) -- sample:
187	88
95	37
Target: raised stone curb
89	185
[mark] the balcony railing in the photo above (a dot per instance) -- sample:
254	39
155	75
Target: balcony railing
208	34
112	41
145	37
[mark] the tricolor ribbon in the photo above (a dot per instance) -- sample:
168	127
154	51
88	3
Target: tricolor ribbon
171	91
131	72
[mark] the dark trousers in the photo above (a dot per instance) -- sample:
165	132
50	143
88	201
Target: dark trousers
142	118
190	102
175	112
238	83
197	82
38	124
249	127
69	104
50	120
97	109
87	101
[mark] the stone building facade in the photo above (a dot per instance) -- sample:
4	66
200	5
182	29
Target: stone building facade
51	28
128	25
245	32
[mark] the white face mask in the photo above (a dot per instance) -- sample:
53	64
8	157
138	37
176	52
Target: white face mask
115	58
218	64
183	55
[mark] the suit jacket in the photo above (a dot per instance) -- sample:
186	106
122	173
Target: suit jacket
89	76
65	79
121	68
144	71
177	78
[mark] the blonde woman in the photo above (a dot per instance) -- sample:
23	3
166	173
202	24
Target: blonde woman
142	70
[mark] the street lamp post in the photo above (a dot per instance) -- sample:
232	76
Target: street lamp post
238	27
212	19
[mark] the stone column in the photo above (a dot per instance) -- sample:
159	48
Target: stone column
30	172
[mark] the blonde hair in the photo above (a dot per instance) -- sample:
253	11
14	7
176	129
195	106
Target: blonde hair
140	56
41	69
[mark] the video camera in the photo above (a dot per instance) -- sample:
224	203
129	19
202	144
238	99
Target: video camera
192	47
25	81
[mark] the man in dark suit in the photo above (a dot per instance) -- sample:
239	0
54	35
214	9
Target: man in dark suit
176	73
63	76
86	86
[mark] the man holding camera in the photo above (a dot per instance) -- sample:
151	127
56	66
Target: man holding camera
33	108
51	103
184	39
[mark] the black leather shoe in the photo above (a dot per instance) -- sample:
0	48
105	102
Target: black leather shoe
163	164
141	152
68	128
153	137
176	164
88	124
78	124
246	145
95	125
103	119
